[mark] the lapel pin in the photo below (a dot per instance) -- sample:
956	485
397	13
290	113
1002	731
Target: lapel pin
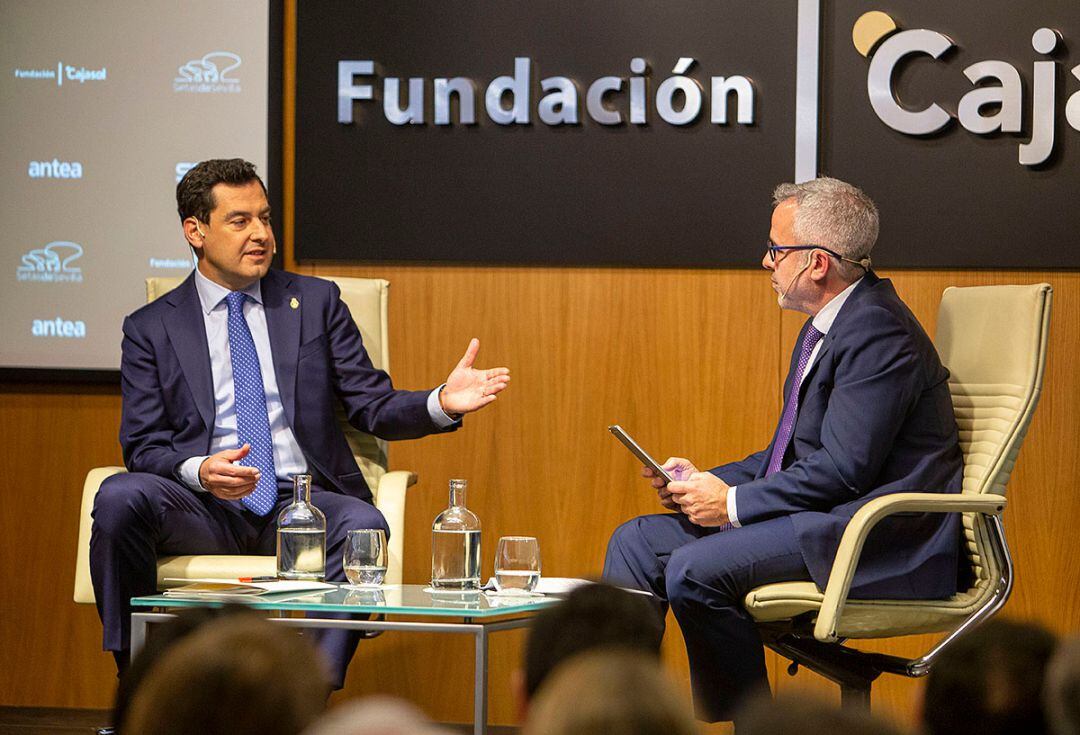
294	303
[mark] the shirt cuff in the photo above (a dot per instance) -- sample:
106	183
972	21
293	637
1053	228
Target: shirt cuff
188	473
732	511
438	416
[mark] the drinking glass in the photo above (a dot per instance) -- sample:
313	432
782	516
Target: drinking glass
517	564
365	557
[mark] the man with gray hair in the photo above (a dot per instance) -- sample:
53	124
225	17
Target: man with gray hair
867	412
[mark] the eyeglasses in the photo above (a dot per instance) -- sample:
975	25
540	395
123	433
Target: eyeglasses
774	249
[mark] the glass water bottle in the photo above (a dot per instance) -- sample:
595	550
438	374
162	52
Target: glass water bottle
455	544
301	535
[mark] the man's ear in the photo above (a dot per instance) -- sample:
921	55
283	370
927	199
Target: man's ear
194	233
820	265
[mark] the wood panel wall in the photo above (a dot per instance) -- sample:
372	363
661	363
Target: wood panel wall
690	361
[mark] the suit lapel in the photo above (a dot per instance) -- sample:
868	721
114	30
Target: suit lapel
826	343
283	325
186	331
850	306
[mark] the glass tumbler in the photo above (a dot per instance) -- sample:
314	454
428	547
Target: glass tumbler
365	556
517	564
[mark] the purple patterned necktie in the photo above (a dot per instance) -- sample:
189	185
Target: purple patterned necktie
791	409
252	420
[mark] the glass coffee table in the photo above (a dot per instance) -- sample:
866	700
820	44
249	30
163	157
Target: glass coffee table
478	614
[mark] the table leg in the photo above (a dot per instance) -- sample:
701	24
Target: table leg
138	634
480	685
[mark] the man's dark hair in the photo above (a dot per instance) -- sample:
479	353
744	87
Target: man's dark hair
194	193
989	681
593	616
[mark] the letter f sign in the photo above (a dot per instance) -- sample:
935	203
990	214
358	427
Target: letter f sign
347	91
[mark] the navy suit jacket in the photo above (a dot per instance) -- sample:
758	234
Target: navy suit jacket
875	417
319	359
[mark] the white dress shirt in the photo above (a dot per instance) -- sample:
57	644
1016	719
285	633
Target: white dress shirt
288	458
822	322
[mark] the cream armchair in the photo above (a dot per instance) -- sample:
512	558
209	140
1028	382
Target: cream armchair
993	340
367	299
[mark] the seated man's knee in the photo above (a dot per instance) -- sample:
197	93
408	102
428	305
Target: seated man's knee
364	515
627	537
118	500
691	579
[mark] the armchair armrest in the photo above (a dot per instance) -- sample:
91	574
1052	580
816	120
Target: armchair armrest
864	520
84	589
390	500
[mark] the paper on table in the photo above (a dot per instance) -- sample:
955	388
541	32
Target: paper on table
235	586
558	586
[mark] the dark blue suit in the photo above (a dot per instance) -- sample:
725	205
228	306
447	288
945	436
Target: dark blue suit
875	417
168	417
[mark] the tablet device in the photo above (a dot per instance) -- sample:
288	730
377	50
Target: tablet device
618	432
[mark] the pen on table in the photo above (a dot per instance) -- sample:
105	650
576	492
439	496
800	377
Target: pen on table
258	579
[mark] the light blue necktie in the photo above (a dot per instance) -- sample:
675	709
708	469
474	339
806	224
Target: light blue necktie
252	421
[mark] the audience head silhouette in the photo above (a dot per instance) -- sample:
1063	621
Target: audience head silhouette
240	675
592	616
609	691
989	682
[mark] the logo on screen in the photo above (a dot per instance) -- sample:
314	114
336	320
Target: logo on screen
63	71
182	168
54	169
210	74
186	264
58	327
52	264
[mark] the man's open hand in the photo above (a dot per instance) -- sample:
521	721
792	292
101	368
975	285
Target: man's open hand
468	388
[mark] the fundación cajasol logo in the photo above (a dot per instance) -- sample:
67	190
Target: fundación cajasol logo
994	104
210	74
52	263
69	72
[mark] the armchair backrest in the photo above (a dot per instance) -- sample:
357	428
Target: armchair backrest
368	301
993	341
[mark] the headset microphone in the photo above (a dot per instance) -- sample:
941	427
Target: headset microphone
784	291
199	229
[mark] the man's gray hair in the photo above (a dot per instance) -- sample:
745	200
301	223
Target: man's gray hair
837	216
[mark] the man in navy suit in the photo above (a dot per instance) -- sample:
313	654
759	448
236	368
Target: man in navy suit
229	386
867	412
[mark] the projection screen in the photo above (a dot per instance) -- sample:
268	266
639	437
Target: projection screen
104	106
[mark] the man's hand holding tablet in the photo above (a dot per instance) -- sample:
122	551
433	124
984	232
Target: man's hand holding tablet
659	475
679	469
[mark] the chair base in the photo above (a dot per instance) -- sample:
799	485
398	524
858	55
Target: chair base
854	671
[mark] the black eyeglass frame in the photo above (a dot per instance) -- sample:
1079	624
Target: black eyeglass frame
774	249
